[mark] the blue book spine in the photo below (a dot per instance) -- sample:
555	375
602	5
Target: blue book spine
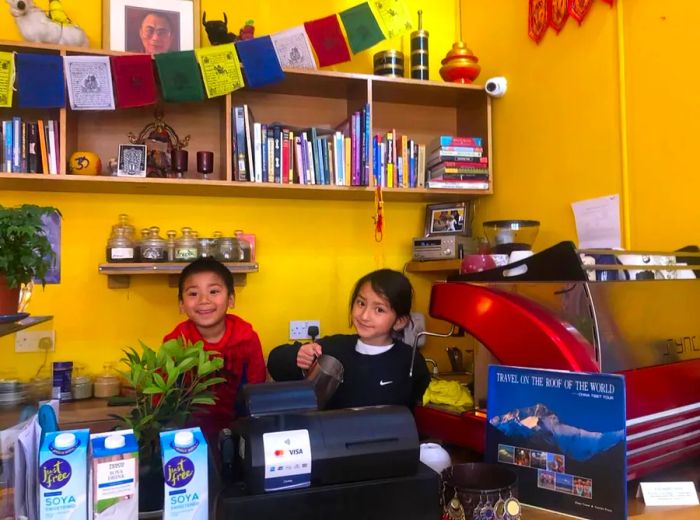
7	158
276	132
263	152
16	144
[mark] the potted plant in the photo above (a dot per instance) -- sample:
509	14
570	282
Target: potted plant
170	384
25	251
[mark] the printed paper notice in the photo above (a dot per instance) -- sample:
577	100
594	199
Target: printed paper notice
668	493
89	81
221	70
598	222
394	16
7	75
293	48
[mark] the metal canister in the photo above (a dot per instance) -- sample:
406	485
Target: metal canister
389	63
420	67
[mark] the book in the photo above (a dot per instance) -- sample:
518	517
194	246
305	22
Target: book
457	185
450	140
563	434
241	161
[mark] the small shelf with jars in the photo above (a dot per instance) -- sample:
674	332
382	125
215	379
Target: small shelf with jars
153	254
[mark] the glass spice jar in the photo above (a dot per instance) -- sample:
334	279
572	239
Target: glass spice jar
153	247
81	387
171	244
107	383
244	245
229	250
120	248
186	246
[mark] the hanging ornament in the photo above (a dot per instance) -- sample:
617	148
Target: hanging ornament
379	214
537	19
578	9
558	11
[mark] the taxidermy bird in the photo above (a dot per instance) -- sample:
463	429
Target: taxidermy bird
57	13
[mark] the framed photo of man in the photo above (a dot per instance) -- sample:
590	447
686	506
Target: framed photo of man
150	26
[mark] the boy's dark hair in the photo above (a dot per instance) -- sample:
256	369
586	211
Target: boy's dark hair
205	265
393	285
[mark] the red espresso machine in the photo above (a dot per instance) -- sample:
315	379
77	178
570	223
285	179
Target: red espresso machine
637	320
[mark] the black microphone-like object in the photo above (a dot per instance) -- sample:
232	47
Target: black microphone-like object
420	67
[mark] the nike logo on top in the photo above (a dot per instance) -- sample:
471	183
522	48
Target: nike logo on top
384	383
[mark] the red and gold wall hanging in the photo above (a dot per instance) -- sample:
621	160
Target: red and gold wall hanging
578	9
537	21
558	11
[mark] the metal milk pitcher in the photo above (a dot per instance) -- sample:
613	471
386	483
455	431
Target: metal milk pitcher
326	374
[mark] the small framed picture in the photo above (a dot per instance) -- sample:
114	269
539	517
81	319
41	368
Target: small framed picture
450	218
132	160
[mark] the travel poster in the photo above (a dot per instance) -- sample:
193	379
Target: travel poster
563	433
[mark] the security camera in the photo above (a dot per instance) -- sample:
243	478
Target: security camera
496	87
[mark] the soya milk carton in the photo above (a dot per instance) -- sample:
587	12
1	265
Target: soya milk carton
63	470
186	475
114	483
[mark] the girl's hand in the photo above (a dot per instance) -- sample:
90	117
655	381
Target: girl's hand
307	354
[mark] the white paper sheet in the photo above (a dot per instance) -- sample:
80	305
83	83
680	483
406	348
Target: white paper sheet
293	48
598	222
89	82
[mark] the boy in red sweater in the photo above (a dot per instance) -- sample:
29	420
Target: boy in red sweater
205	291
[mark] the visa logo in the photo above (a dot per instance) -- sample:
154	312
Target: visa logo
296	451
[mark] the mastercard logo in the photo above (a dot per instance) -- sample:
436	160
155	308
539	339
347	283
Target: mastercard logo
279	453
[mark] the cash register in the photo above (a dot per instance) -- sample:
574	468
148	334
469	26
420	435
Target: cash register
288	459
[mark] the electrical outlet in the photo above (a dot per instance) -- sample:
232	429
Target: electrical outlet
35	341
299	329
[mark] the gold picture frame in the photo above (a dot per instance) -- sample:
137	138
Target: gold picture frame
177	25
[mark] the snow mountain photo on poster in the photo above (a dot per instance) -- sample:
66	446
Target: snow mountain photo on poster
541	428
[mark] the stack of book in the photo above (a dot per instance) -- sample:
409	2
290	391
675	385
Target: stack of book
457	163
29	146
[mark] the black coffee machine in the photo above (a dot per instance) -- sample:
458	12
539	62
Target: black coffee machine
289	460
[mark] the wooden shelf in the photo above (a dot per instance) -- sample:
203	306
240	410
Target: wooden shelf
421	110
433	266
218	188
119	275
10	328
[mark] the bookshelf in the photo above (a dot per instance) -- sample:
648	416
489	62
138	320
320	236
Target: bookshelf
420	109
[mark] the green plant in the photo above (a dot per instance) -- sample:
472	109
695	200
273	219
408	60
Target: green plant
25	250
170	384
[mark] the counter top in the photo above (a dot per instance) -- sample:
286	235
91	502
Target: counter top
86	413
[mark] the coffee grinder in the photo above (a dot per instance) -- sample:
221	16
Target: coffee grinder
419	51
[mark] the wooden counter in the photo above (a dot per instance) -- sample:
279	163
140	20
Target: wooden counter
86	413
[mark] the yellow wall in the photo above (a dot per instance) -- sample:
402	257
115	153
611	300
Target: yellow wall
308	260
557	139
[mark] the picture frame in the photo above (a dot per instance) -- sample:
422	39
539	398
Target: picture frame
175	25
131	161
449	218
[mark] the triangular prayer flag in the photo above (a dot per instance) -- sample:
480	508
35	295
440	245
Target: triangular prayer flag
179	76
134	81
221	70
294	49
7	78
328	41
89	82
260	64
361	27
394	16
40	81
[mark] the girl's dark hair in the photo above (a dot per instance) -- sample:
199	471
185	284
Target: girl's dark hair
393	285
205	265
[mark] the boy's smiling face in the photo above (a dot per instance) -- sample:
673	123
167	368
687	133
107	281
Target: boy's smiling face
205	300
